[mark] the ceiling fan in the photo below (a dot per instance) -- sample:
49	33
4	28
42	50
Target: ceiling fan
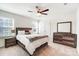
40	10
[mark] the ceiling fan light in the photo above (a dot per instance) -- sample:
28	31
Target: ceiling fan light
38	14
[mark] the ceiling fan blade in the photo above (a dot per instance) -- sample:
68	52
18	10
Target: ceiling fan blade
43	13
38	9
45	10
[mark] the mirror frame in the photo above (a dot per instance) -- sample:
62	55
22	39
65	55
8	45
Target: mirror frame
66	23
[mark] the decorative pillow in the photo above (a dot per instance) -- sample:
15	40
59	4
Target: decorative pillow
27	33
21	32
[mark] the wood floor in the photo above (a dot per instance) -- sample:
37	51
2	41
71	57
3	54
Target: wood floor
52	49
47	51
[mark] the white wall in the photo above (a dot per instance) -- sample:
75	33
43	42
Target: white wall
77	30
49	25
20	21
2	43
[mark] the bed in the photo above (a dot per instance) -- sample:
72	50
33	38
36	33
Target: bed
30	42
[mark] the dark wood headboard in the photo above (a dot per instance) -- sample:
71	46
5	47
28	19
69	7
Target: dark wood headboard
25	29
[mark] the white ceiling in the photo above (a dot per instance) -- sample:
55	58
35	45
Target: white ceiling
54	8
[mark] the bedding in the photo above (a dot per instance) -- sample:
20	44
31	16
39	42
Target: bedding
36	38
32	41
21	32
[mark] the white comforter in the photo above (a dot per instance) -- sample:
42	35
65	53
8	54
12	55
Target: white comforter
31	46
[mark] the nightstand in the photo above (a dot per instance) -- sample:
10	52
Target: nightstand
10	42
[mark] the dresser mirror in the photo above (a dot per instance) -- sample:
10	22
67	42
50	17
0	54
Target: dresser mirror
64	27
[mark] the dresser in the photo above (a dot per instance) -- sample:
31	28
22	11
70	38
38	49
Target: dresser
10	41
68	39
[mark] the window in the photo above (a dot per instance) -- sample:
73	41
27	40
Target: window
36	26
6	25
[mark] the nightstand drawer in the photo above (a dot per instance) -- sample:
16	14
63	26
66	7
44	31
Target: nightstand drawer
10	40
10	44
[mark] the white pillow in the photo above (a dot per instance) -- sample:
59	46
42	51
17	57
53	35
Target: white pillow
21	32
